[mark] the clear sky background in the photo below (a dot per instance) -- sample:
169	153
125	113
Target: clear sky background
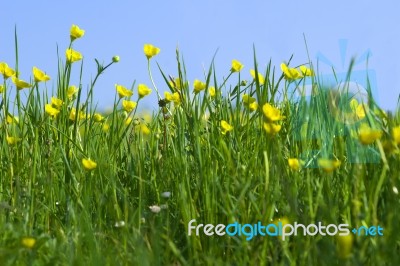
199	28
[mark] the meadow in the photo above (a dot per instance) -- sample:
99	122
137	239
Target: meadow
83	187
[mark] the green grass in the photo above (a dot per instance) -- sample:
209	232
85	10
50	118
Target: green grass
102	216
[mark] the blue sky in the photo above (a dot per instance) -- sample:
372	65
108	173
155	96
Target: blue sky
199	28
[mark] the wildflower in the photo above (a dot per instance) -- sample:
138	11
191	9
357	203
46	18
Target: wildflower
290	73
198	86
115	59
236	66
57	103
249	102
88	164
20	83
143	90
98	117
39	75
176	83
49	109
367	135
72	90
225	127
328	165
344	245
128	105
306	71
76	32
106	127
12	119
1	88
28	242
12	140
144	129
295	164
123	91
72	114
261	78
174	97
272	128
211	91
72	55
6	71
396	134
271	113
155	208
150	51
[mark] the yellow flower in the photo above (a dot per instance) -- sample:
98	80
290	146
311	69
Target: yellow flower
72	55
12	140
236	66
72	114
1	88
225	127
72	90
261	78
176	83
247	99
328	165
272	128
143	90
174	97
150	50
39	75
20	83
123	91
211	91
198	86
106	127
88	164
367	135
6	71
306	71
271	113
344	245
250	102
12	119
295	164
98	117
290	73
396	134
361	110
128	105
144	129
28	242
76	32
51	110
57	103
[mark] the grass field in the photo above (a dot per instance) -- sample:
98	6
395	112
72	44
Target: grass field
81	187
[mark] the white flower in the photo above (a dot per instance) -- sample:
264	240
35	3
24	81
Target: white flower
155	208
